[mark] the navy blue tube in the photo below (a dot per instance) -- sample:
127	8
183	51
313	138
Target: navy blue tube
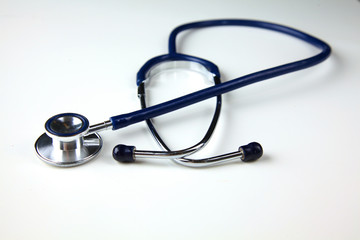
124	120
247	23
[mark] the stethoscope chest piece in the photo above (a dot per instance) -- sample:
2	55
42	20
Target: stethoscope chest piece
66	142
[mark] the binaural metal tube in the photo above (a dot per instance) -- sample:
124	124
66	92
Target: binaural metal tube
180	158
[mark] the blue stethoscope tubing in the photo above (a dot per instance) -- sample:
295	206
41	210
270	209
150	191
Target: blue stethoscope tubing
124	120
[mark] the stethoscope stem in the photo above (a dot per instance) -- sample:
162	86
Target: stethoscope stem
106	125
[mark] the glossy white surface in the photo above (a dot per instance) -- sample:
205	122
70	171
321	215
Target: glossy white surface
82	56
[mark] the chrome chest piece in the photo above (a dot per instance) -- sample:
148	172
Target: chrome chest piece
68	141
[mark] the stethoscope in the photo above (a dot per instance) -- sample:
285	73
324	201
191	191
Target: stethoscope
69	139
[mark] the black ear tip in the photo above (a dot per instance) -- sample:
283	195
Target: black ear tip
252	151
124	153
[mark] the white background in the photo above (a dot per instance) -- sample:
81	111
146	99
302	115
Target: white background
82	56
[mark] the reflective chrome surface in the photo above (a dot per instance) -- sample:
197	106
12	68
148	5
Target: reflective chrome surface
66	124
68	154
179	157
188	65
100	127
69	141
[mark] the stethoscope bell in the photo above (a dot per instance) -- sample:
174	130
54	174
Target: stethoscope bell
67	141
